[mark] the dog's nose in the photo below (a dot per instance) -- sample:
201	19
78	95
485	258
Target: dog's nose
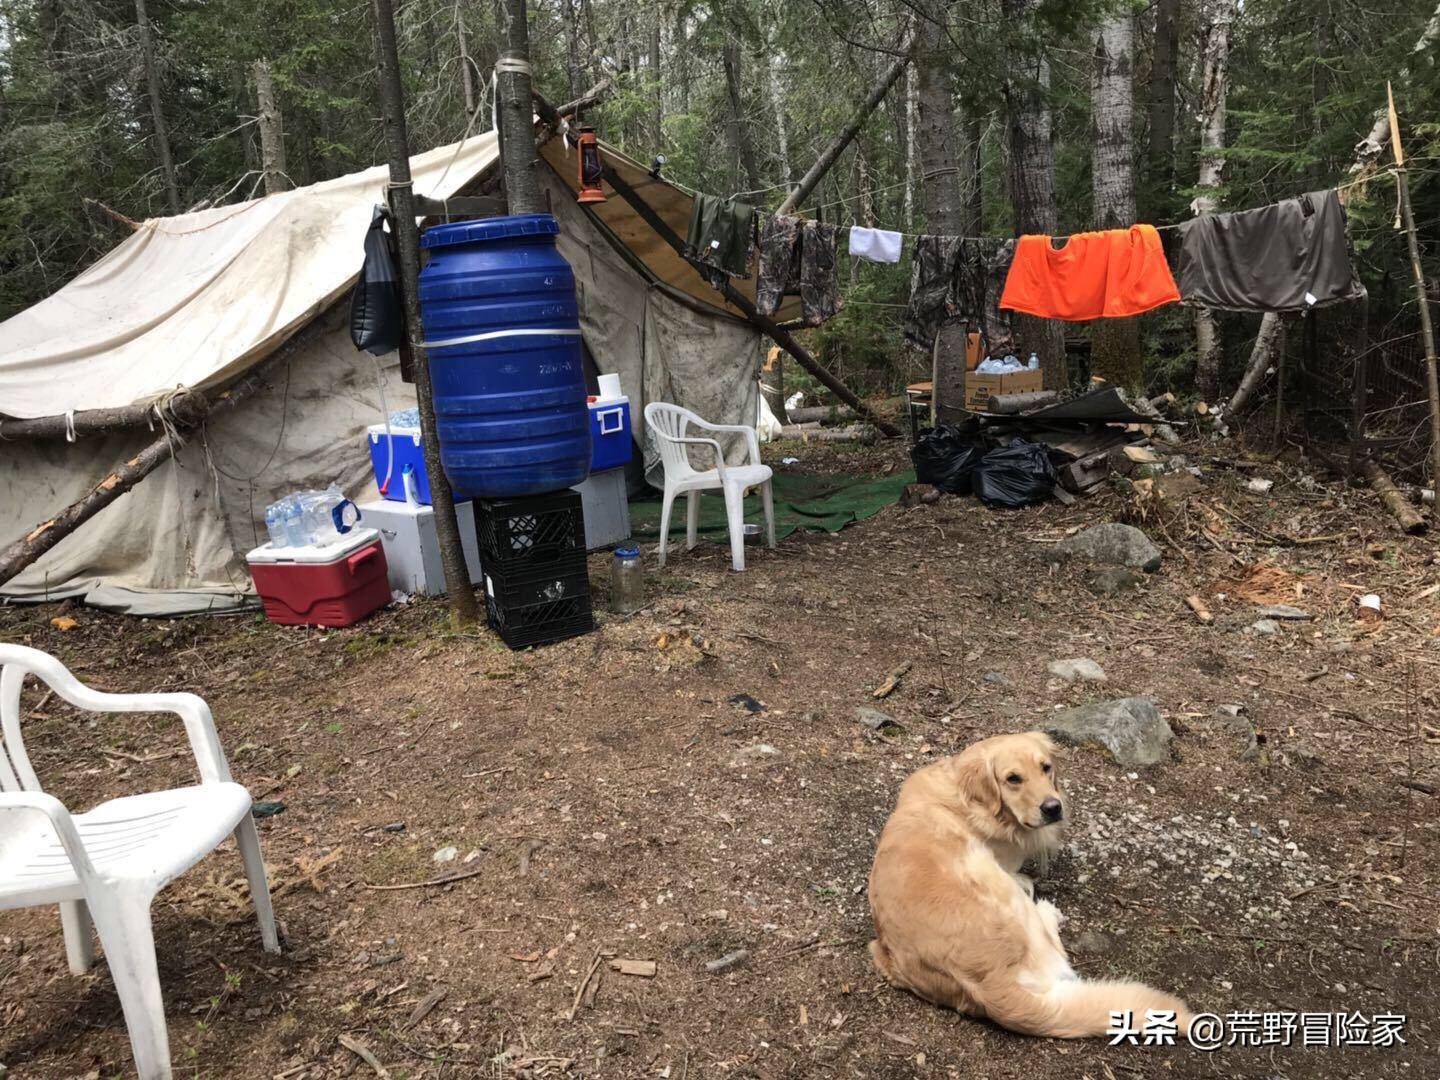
1051	809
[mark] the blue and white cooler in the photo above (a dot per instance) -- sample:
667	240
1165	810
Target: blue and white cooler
392	451
603	494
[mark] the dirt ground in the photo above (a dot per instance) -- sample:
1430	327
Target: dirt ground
612	797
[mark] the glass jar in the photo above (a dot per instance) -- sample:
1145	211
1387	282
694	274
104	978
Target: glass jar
627	580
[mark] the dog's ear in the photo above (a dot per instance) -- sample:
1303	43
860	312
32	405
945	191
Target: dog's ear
975	780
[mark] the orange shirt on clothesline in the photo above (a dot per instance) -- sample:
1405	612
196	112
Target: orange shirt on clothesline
1095	275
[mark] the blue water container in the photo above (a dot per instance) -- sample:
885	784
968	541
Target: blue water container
503	332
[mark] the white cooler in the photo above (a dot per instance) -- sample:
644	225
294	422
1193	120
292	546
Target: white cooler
412	548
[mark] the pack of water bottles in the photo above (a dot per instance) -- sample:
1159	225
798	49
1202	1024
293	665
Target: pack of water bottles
1007	365
310	518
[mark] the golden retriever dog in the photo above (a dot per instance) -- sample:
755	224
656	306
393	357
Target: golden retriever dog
955	920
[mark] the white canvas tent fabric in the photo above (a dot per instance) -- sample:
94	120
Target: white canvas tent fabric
198	299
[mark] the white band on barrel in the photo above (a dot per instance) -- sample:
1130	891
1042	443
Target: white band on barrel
490	335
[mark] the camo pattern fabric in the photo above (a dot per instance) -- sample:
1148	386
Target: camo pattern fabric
797	257
957	278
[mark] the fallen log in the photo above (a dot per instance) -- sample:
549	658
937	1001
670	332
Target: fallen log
1410	520
822	413
862	433
184	408
1013	404
745	306
127	474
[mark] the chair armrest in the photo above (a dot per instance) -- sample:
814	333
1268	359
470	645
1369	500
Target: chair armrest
715	446
38	802
751	439
192	710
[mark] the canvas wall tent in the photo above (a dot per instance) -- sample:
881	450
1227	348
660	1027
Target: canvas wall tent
199	299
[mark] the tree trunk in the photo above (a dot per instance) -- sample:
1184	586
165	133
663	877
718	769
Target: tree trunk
1115	343
572	48
1218	16
1162	94
467	73
657	138
912	112
517	120
745	166
272	130
157	111
1032	182
402	200
773	62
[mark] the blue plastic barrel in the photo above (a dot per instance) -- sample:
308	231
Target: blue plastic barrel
502	327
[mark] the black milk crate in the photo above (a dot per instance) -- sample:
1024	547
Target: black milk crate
530	531
539	602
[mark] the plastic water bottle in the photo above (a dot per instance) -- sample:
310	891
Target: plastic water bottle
1034	362
275	524
293	517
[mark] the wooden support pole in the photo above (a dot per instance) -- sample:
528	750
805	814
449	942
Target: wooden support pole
402	201
847	134
272	129
125	476
1422	297
185	409
1409	518
515	102
778	334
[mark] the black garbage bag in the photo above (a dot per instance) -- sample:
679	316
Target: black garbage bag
376	319
1015	475
945	457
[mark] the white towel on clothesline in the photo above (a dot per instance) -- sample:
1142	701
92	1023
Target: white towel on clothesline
877	245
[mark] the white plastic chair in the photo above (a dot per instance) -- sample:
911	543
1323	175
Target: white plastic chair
671	425
109	863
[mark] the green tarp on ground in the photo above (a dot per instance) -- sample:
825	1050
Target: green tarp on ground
823	502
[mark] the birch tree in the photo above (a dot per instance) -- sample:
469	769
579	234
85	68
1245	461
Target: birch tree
1218	19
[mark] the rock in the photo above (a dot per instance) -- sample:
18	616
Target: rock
1131	729
754	752
1283	611
874	719
1110	544
1077	670
445	854
728	962
1264	627
1113	580
1094	942
995	678
394	826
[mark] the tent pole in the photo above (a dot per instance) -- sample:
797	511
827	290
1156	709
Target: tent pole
401	195
166	445
180	409
778	334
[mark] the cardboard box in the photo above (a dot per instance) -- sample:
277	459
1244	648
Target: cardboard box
979	389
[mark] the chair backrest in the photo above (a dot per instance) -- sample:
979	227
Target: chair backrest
16	661
671	422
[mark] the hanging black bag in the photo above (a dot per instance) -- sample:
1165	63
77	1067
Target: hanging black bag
377	323
943	456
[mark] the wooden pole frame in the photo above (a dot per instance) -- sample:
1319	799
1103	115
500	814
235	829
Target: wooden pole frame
463	607
1427	328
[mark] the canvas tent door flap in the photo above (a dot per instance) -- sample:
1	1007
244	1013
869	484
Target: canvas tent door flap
198	300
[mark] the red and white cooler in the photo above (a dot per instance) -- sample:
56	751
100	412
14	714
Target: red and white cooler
322	585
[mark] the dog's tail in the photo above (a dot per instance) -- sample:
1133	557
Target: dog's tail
1077	1009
